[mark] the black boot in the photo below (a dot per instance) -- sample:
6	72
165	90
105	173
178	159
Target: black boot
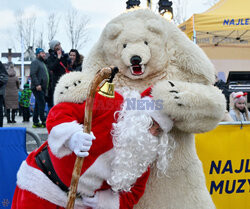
13	116
8	116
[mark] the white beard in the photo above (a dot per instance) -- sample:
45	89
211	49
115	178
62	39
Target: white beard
136	149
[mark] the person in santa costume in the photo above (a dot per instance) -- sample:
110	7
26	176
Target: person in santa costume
123	143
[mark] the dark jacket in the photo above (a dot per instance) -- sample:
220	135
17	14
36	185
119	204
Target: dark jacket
11	91
77	66
55	67
39	74
223	86
3	78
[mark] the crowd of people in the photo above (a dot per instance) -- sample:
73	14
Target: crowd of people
44	75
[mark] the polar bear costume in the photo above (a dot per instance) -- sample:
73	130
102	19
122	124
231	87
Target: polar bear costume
150	51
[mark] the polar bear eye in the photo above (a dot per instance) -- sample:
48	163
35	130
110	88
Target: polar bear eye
124	45
145	42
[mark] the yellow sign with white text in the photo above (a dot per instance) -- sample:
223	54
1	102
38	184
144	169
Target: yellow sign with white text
225	155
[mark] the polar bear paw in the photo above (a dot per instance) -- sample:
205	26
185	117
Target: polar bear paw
175	93
72	87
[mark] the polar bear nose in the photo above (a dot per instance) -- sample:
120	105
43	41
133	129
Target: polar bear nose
135	60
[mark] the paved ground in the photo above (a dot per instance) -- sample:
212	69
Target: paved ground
30	142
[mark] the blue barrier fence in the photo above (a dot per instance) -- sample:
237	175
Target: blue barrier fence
12	153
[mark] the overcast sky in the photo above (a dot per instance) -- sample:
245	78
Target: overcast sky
100	12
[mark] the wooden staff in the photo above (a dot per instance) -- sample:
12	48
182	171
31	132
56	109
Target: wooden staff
101	75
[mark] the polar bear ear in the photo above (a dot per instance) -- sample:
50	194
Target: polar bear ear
154	26
113	30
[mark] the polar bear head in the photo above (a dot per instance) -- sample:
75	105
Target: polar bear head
146	47
136	47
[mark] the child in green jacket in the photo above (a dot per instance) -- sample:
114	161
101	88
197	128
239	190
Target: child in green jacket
25	102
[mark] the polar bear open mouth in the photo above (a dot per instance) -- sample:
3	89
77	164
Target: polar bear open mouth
137	69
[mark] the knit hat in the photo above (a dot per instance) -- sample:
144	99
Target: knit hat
39	50
239	96
26	86
53	43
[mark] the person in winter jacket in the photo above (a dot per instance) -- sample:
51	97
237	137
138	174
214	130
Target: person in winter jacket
239	111
76	60
11	95
25	102
3	81
223	87
57	62
39	85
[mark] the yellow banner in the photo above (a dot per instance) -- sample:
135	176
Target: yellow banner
225	154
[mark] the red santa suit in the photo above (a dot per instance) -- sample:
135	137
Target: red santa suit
36	190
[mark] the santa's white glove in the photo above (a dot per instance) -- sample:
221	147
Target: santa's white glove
91	202
80	143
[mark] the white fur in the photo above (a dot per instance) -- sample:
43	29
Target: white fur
183	186
91	180
162	119
108	200
196	106
72	87
169	52
135	148
59	135
27	179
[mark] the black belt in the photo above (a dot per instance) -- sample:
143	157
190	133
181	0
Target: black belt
44	162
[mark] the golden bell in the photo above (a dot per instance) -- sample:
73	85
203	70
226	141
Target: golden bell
107	90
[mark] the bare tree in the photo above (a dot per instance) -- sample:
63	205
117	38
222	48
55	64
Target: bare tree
76	25
210	2
26	27
40	40
180	11
11	40
52	23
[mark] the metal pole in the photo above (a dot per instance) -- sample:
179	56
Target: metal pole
194	32
22	63
149	4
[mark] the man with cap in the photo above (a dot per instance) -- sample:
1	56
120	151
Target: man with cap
39	85
57	63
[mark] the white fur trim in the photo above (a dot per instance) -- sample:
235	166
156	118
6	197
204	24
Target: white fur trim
164	121
35	181
93	178
59	135
108	200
